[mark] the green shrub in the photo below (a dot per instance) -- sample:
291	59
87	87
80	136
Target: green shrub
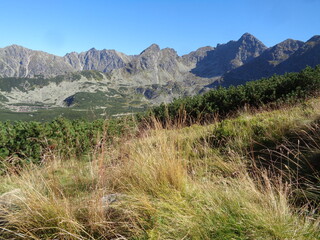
31	140
290	87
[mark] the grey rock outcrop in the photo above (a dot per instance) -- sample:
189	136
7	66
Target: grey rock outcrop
153	65
287	56
155	74
307	55
100	60
154	59
8	202
231	55
17	61
146	60
263	65
109	199
193	57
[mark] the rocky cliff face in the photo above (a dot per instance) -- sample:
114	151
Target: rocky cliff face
17	61
307	55
124	83
263	65
194	57
287	56
231	55
155	66
100	60
207	62
237	61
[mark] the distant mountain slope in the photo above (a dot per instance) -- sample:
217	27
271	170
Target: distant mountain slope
17	61
153	65
287	56
307	54
100	60
30	79
231	55
263	65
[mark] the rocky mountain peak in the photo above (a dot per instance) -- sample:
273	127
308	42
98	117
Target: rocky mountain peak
196	56
14	51
287	46
14	46
306	55
100	60
264	64
315	38
287	42
169	51
153	48
204	49
160	65
226	57
249	47
247	37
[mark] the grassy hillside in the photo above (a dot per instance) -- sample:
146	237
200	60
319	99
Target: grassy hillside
290	87
196	182
250	172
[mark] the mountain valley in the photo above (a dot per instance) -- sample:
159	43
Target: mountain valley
108	82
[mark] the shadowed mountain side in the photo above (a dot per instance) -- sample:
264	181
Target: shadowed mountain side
307	55
160	66
288	56
237	61
264	65
226	57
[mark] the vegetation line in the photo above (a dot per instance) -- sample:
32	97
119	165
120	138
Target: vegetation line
254	176
290	88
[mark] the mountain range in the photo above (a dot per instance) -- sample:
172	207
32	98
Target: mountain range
155	75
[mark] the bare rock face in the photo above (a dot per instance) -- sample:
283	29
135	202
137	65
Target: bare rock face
17	61
263	65
74	60
154	66
196	56
287	56
166	65
100	60
236	62
249	47
168	60
8	202
307	55
231	55
282	51
146	60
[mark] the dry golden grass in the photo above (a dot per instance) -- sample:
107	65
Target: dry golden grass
170	183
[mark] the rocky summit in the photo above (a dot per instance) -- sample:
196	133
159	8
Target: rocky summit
107	78
206	62
263	65
226	57
287	56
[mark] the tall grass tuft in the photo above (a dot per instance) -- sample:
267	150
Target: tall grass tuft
166	182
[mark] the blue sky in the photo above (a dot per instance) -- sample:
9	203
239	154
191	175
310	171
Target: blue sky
61	26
